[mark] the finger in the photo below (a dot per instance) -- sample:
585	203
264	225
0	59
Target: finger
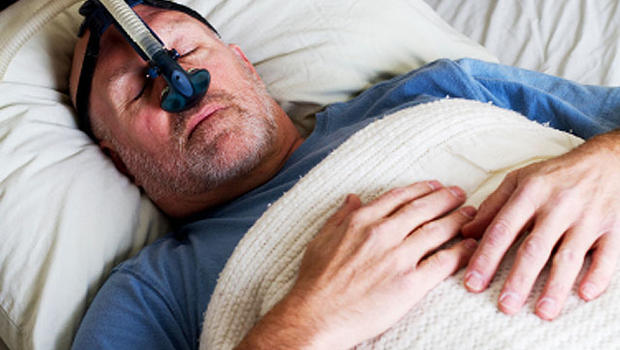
442	264
531	257
415	213
602	268
351	203
390	201
565	267
435	233
489	207
498	237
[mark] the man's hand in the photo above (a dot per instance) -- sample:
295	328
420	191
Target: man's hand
367	267
572	203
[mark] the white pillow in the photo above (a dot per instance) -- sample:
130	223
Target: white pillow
67	216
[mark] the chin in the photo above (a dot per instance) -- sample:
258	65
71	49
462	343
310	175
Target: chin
229	156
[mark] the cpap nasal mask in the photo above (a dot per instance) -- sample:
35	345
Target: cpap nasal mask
184	89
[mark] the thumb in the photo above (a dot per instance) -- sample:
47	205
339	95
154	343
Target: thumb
351	203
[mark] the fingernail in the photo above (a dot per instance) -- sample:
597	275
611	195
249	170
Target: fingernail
434	184
473	281
457	192
469	212
546	307
510	301
589	290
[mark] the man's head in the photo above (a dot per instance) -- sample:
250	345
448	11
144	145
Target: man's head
234	139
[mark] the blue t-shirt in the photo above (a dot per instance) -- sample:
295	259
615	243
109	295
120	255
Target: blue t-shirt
157	299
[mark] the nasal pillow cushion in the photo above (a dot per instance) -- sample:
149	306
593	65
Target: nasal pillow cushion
67	216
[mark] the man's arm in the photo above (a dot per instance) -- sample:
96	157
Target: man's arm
366	268
129	314
582	110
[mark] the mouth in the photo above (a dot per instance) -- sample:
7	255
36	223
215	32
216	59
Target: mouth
204	114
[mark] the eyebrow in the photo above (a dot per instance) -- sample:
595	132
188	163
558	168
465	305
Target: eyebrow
119	72
115	83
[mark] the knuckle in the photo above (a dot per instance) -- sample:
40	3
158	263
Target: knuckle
531	248
530	189
498	233
396	193
375	232
534	181
566	256
481	262
566	196
431	228
440	260
372	231
418	204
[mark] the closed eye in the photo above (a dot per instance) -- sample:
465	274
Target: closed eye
148	80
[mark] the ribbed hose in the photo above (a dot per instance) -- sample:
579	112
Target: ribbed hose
10	45
133	26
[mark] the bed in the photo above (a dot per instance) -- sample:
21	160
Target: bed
67	216
574	39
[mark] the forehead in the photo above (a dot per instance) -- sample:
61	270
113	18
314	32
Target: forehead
163	22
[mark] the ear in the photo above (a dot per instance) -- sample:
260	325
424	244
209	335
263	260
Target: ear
237	50
108	149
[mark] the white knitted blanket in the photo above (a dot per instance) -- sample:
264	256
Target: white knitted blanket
460	142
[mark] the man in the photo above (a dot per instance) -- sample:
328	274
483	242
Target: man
219	165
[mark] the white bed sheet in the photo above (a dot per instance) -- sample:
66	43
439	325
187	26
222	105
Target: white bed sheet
574	39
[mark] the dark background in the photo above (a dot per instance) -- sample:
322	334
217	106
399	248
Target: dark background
5	3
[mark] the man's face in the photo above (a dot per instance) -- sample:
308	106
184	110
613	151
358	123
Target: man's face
221	139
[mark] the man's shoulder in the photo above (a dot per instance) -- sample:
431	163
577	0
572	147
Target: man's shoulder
428	83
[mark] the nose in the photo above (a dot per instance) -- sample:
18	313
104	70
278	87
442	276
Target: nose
184	89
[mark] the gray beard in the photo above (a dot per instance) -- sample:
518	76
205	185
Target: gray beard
201	166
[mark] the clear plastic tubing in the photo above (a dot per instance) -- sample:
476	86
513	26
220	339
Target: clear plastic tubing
133	26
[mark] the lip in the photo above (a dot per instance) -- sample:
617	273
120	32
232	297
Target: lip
201	116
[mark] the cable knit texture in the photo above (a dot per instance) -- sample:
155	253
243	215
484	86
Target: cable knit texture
459	142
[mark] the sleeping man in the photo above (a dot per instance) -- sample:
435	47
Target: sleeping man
217	167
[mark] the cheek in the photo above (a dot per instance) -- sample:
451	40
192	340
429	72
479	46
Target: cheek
226	71
221	78
150	129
